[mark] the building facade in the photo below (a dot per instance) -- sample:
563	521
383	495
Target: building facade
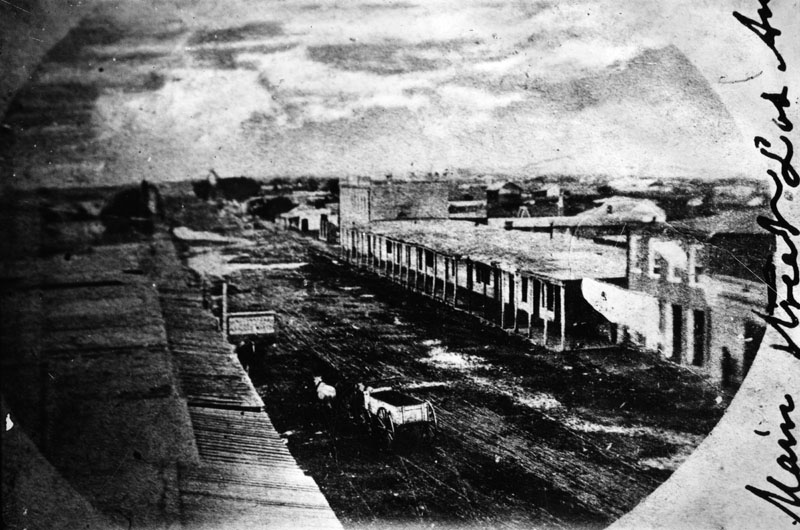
676	302
503	199
363	200
506	284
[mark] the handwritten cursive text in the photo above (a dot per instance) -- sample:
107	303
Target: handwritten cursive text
786	499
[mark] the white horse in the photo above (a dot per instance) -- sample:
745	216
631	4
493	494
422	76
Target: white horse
325	392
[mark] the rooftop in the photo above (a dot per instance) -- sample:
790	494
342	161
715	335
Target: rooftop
464	204
739	221
496	186
368	181
304	209
560	258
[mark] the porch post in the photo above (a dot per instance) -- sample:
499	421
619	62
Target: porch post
517	298
389	259
563	318
533	308
503	292
546	315
470	285
498	292
416	268
446	277
399	261
485	295
407	258
455	282
435	274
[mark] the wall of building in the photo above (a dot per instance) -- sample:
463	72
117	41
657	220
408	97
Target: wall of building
751	252
409	200
353	204
701	316
735	327
365	201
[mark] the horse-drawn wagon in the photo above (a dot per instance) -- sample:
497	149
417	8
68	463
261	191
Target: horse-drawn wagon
388	411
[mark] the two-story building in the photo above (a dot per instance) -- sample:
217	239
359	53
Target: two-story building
364	199
684	297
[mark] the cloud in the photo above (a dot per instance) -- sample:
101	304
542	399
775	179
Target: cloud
474	101
575	86
389	57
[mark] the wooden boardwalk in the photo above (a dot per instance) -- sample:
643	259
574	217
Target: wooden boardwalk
127	401
246	478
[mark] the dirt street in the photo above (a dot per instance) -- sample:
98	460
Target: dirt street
527	438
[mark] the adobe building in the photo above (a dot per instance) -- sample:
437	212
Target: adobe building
523	282
363	200
692	293
303	218
503	199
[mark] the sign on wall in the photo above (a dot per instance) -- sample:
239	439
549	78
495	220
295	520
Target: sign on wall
261	323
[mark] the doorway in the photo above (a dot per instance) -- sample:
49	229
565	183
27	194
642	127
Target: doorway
699	337
677	333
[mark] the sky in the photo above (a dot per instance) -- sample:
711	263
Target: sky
523	88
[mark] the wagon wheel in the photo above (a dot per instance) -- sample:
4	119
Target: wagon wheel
386	426
429	432
432	426
366	419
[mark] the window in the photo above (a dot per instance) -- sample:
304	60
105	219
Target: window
672	274
388	247
653	266
429	258
551	296
656	268
419	259
524	288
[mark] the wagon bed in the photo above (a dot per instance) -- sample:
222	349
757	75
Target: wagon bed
386	409
395	398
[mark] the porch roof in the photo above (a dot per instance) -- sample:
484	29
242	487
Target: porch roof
562	257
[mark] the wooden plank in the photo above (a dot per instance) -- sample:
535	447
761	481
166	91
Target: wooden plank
245	464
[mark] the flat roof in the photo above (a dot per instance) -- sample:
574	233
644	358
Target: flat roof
360	182
467	203
562	257
735	221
